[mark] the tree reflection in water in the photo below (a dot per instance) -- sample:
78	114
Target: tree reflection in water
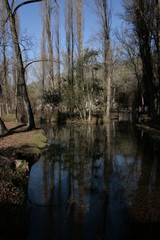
95	182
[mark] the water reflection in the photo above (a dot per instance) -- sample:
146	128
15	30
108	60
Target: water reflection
95	182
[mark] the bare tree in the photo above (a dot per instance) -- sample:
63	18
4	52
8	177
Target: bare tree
48	7
79	23
43	54
16	87
57	41
79	15
20	67
72	38
4	42
68	38
104	15
130	50
70	16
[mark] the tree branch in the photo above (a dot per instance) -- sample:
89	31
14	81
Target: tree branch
24	3
20	5
40	60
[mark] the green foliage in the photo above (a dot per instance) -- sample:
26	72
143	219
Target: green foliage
52	97
9	117
125	83
68	96
90	56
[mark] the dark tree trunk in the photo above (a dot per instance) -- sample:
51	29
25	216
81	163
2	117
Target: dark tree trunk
107	59
158	46
143	33
20	67
3	129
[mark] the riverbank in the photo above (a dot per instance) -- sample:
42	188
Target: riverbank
19	138
153	130
18	150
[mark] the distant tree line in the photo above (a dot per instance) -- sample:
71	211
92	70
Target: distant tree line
79	81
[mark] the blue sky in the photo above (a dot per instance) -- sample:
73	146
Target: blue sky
30	20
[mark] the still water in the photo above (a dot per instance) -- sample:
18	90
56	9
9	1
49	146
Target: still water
96	182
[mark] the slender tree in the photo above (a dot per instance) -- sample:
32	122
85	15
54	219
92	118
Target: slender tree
104	15
72	40
70	47
57	41
43	63
43	54
79	11
4	42
129	49
48	7
21	72
20	67
68	38
79	23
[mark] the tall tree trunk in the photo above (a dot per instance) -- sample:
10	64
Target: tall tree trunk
58	45
14	74
68	38
20	67
70	47
79	14
108	88
43	64
72	33
79	28
104	15
158	46
5	74
48	11
5	90
43	54
107	58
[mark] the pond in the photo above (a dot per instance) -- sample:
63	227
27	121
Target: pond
96	182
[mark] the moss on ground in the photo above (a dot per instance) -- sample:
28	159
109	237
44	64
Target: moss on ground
36	139
9	117
23	144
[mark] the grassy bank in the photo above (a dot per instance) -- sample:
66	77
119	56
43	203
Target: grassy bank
20	143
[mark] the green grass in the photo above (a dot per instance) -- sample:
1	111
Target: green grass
36	138
9	117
